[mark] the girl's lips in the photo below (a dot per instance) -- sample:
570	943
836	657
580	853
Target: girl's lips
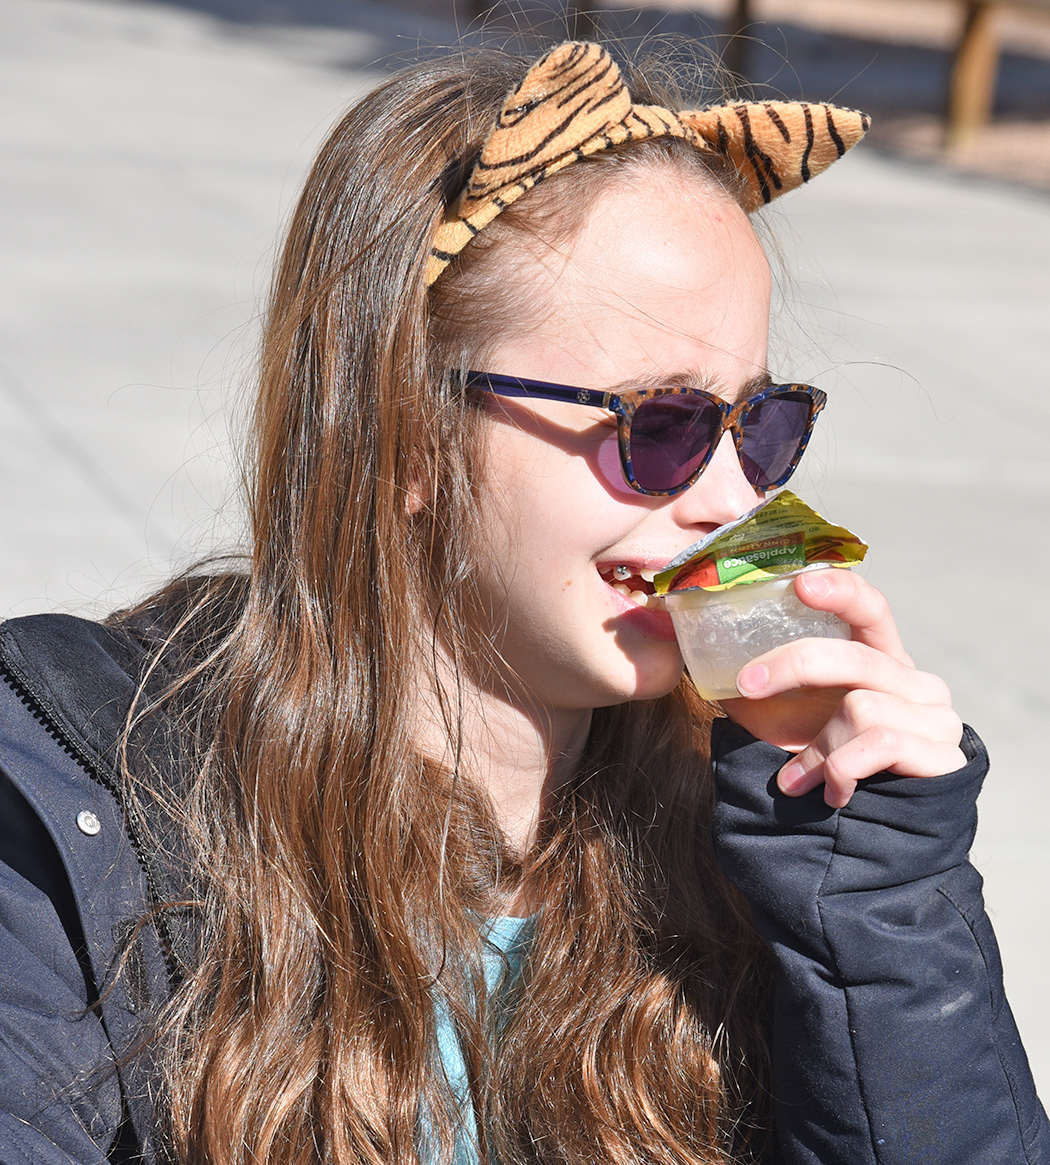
655	623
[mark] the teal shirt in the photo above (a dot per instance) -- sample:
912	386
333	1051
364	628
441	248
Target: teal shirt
506	945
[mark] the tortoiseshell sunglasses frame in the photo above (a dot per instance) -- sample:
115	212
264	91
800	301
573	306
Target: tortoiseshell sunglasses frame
625	404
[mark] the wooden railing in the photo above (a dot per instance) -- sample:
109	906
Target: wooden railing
971	89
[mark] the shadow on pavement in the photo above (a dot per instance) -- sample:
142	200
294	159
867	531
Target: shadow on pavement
785	60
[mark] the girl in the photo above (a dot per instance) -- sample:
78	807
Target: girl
406	842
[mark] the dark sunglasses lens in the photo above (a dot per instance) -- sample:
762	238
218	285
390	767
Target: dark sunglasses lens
670	437
773	431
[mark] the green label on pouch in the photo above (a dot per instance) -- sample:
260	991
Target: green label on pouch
786	552
780	536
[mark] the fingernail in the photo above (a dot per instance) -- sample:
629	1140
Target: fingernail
790	778
753	679
818	585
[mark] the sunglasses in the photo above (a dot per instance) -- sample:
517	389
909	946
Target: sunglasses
668	435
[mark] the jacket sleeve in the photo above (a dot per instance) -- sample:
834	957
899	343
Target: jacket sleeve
893	1042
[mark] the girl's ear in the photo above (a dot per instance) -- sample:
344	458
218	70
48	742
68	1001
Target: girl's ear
413	497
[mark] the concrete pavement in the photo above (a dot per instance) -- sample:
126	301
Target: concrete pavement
150	155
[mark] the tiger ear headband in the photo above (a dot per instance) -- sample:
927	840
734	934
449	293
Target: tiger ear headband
573	102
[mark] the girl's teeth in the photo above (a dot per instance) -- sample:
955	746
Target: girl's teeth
647	575
639	597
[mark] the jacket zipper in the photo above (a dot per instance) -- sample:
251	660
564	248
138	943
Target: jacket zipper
69	746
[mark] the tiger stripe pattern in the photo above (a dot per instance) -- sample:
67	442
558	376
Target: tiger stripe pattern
573	103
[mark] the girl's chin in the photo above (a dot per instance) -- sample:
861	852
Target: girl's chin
654	682
651	651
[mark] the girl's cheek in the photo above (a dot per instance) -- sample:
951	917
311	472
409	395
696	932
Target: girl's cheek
609	470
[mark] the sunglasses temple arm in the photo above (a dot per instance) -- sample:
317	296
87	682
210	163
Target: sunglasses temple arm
537	389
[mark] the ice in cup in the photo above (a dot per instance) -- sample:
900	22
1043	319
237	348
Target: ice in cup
731	595
720	631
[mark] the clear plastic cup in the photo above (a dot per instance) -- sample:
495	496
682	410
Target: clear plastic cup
720	631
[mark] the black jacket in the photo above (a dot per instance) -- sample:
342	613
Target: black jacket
893	1043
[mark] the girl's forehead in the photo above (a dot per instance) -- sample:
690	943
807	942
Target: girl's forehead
661	277
665	239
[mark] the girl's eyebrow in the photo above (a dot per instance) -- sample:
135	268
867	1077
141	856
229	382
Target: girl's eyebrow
693	379
757	383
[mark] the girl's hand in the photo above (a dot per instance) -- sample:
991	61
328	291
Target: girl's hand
850	709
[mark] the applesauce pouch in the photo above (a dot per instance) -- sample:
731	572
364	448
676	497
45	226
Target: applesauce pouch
781	536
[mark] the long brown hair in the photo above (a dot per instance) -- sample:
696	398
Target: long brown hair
344	871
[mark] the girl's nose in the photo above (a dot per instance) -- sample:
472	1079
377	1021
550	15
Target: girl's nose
721	494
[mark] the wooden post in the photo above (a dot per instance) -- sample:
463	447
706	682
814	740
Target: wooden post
972	88
735	55
581	16
582	19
